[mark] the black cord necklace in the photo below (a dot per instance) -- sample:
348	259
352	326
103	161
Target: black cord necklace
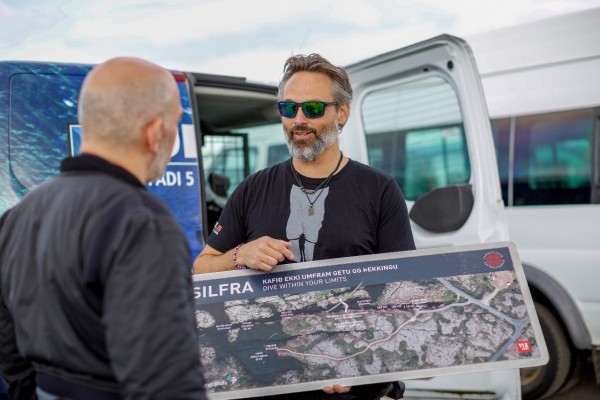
321	187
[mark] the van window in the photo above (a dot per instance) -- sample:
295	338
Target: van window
415	133
42	106
269	141
224	155
501	132
597	159
553	158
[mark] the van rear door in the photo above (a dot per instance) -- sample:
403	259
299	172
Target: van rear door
419	114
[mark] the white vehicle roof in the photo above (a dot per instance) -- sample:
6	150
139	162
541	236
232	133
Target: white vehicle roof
541	66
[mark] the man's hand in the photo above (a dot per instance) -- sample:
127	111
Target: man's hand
336	389
264	253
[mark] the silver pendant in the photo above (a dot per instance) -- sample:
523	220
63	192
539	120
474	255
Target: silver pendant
309	191
311	210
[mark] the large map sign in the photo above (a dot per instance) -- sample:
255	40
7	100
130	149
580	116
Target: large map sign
366	319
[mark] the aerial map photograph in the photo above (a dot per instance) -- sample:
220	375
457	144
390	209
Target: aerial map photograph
363	321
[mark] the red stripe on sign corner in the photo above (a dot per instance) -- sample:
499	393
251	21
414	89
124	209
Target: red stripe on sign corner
179	76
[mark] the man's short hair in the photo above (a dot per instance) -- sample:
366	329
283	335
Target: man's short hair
342	90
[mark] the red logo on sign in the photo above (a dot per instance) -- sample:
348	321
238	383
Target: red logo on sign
493	259
523	346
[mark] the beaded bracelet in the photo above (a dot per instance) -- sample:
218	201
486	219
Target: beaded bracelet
235	257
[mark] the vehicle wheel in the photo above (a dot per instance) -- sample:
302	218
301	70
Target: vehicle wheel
577	365
543	382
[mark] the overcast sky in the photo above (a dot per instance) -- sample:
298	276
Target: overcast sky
250	38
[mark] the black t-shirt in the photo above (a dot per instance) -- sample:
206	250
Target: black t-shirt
361	211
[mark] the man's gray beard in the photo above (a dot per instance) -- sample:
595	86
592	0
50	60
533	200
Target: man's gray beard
321	143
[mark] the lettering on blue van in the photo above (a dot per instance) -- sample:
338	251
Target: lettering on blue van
184	147
178	171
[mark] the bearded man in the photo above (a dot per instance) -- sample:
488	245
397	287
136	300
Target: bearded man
317	205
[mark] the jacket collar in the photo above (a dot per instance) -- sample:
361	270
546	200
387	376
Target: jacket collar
89	162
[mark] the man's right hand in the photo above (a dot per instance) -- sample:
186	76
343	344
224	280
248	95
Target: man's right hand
264	253
261	254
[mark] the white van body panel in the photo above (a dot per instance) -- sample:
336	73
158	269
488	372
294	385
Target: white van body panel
496	385
487	222
542	66
569	253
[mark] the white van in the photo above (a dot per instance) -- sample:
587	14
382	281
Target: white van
542	85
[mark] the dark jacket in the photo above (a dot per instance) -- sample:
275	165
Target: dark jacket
96	291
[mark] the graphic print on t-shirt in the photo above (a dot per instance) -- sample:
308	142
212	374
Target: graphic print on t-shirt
302	229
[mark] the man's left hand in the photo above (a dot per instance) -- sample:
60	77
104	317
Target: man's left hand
336	389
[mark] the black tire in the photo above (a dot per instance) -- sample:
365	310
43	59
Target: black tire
575	372
545	381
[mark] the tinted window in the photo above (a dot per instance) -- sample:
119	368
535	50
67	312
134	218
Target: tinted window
269	140
596	192
224	155
41	108
597	155
415	133
553	158
501	131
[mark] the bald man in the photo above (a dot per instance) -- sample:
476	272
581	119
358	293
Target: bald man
95	287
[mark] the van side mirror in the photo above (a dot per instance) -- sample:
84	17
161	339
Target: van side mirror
444	209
